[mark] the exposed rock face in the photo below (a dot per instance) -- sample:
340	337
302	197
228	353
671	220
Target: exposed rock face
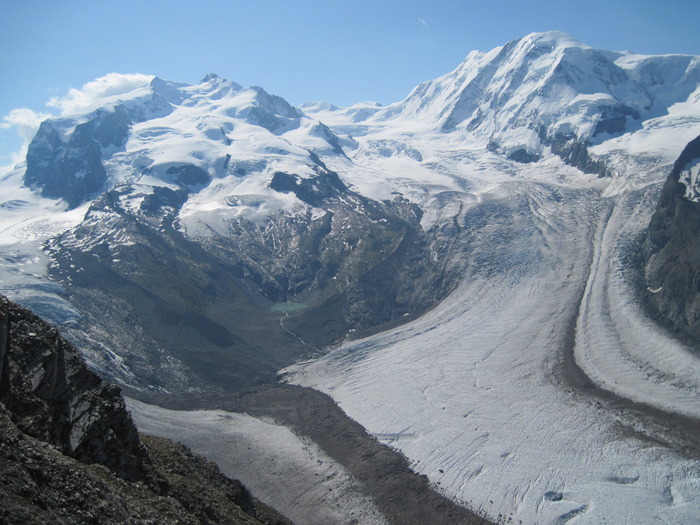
70	453
173	311
335	263
672	249
53	397
575	153
71	168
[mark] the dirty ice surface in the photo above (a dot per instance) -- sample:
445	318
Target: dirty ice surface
283	470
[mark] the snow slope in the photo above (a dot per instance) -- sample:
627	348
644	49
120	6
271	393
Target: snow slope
265	457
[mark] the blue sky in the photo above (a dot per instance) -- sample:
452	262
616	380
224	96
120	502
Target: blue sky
338	51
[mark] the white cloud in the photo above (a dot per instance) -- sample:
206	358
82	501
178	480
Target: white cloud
423	22
111	84
9	162
25	121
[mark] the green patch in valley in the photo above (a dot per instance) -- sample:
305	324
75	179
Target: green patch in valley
288	308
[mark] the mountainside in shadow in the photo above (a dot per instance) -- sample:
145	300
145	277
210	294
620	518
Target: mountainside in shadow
70	453
672	247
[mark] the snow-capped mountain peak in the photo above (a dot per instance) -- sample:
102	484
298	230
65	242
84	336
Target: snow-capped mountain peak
217	233
545	95
544	80
175	135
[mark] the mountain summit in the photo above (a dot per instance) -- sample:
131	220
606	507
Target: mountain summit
544	93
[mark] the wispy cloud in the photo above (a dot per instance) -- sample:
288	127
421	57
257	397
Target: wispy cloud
109	85
24	120
423	22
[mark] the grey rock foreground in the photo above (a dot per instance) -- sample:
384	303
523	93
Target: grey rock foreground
70	453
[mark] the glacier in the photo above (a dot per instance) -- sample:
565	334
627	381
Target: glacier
479	395
265	456
539	390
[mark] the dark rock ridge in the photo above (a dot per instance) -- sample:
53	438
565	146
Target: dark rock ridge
172	311
53	397
69	452
672	251
403	497
575	153
568	148
356	267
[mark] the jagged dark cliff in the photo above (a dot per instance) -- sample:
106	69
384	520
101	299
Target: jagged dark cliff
672	251
70	453
55	398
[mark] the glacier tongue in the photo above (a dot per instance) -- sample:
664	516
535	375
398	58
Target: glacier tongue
483	394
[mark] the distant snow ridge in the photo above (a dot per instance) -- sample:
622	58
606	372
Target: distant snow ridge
546	85
537	95
173	135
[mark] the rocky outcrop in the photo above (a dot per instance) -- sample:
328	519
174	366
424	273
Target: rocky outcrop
335	264
55	398
672	251
575	153
70	453
189	314
156	303
70	168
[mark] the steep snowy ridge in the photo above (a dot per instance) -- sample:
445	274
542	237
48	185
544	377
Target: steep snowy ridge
173	135
529	97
